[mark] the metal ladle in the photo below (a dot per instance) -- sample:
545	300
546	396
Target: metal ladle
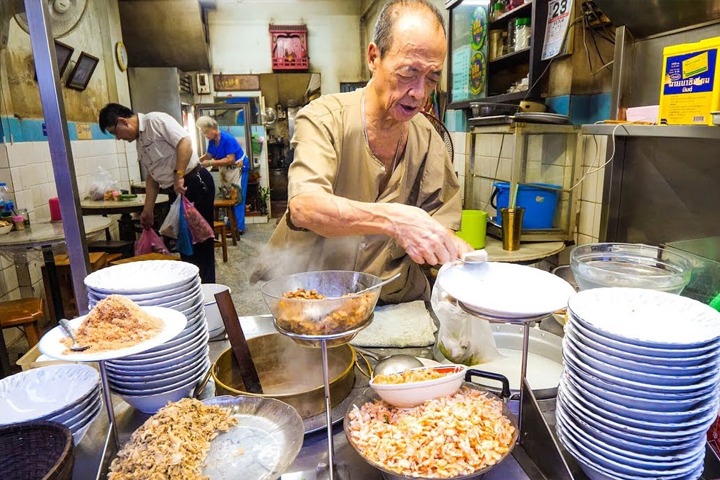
390	364
384	282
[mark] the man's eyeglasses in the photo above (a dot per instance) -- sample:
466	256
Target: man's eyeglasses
113	130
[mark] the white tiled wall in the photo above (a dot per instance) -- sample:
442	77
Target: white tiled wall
27	169
588	228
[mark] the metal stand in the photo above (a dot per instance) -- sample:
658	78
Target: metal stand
539	446
112	425
328	418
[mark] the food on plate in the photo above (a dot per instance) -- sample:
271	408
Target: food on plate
173	443
411	376
115	322
442	438
337	315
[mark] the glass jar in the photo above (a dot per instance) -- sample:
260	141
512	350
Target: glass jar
497	11
511	37
495	44
522	33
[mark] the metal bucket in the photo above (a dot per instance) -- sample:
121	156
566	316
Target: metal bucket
289	372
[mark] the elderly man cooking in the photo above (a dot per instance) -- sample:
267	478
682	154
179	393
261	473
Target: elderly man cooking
372	187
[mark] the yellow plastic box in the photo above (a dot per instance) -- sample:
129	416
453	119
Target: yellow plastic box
689	88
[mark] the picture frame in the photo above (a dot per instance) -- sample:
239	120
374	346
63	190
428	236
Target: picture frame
82	72
63	53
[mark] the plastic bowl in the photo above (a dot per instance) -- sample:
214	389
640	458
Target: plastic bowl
629	265
411	394
340	311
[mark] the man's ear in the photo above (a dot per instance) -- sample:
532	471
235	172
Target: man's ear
373	56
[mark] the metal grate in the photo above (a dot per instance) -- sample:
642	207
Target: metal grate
185	83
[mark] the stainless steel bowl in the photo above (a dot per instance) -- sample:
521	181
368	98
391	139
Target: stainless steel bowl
629	265
341	311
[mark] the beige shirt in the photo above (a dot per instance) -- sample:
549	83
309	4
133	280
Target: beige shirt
331	155
156	146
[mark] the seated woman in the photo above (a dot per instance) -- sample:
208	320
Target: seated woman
224	151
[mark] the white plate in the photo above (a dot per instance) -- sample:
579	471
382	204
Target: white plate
672	354
692	363
506	289
142	277
174	322
647	317
44	391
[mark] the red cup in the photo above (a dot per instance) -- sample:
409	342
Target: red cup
54	204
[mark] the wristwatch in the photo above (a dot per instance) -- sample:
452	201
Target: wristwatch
180	173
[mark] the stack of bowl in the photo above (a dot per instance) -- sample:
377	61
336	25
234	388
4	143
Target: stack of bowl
640	384
168	372
67	394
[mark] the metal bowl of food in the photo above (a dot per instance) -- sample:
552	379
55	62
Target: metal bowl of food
332	304
629	265
488	434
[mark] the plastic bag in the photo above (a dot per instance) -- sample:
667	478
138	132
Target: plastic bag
150	242
171	224
199	227
101	182
462	338
184	239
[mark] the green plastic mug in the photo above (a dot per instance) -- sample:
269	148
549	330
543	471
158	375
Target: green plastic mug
473	228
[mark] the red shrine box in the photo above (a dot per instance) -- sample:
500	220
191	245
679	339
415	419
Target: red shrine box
288	46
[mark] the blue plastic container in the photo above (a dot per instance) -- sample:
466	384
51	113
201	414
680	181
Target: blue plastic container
539	200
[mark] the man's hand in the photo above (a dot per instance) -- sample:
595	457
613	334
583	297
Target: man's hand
179	185
206	163
147	217
423	238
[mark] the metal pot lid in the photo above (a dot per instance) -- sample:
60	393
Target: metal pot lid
541	117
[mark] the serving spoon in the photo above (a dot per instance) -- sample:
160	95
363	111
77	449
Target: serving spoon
384	282
75	347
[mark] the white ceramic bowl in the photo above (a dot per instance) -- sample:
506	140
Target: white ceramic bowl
151	402
212	312
5	229
45	391
411	394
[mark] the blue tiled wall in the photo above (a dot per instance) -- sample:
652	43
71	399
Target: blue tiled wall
31	130
582	109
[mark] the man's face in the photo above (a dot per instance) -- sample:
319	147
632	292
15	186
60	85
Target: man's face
411	68
123	130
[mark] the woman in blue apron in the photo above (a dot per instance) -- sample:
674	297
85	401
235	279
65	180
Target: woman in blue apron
224	152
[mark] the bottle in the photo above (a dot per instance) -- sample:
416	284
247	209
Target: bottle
4	195
522	33
511	37
498	9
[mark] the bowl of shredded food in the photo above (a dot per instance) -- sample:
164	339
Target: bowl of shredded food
459	436
417	385
327	304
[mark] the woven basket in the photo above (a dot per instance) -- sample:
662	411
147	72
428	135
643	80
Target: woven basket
36	450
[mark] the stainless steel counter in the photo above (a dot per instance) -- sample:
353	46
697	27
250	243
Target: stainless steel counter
314	450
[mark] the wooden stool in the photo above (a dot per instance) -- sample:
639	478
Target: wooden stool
229	206
24	313
98	260
219	228
147	256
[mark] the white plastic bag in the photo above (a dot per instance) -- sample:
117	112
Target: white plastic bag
171	226
100	183
462	338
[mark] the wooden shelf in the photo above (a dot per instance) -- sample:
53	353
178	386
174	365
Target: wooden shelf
525	8
510	57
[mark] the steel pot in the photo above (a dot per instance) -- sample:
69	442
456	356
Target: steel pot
289	372
486	109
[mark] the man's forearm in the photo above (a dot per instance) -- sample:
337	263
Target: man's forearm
151	192
332	216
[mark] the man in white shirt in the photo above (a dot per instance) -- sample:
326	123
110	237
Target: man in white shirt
165	151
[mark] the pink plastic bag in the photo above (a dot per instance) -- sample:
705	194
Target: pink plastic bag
150	242
200	230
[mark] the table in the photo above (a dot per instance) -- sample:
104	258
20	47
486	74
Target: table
124	209
528	252
43	235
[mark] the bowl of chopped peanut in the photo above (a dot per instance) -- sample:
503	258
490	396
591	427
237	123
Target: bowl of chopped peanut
322	305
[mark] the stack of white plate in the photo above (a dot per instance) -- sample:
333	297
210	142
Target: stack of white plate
168	372
640	385
68	394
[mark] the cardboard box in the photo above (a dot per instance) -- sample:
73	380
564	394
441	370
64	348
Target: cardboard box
689	88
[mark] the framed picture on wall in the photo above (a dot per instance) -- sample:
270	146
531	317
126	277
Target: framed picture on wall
62	54
84	68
